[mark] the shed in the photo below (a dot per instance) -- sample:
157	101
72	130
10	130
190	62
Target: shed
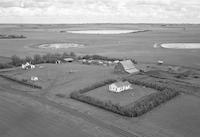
68	59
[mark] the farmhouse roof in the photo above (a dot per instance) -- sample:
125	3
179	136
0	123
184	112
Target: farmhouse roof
121	83
129	66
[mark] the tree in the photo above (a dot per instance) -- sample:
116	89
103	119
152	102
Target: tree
37	59
28	59
16	61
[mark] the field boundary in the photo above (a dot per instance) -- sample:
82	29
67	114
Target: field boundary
21	82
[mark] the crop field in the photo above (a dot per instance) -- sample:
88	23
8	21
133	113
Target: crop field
124	98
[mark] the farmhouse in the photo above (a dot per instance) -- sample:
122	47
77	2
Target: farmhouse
28	66
120	86
125	66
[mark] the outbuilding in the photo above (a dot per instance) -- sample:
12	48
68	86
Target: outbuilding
68	59
125	66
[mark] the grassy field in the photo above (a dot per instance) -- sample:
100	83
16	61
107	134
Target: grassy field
135	45
123	98
65	78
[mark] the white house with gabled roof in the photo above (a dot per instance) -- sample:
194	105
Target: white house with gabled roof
120	86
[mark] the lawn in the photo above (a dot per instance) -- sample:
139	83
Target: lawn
65	78
124	98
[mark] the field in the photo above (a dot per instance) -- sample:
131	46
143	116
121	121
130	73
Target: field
51	112
124	98
18	119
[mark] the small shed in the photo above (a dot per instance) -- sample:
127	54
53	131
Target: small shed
33	78
160	62
68	59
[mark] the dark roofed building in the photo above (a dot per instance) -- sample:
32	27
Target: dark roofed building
125	66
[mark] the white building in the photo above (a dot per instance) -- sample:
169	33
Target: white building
28	65
33	78
120	86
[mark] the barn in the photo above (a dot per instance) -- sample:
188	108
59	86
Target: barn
125	66
120	86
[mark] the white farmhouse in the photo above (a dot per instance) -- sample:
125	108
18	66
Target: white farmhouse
28	65
120	86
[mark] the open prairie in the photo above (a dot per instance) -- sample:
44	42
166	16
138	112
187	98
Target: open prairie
136	45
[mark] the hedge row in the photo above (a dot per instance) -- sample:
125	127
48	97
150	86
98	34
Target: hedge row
149	102
154	85
21	82
99	57
135	109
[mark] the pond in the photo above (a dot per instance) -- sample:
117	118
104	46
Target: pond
60	46
104	31
181	45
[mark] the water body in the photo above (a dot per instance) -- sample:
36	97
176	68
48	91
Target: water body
181	45
103	31
60	46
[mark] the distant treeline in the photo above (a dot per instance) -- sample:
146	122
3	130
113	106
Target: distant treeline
37	59
52	58
99	57
12	36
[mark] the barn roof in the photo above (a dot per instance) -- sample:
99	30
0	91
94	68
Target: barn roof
129	66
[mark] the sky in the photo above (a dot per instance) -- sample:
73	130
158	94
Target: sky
99	11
